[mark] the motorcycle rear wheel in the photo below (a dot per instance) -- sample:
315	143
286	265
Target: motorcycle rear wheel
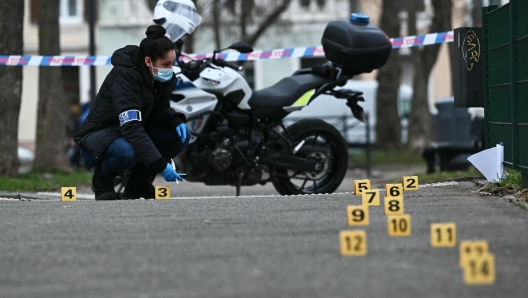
334	160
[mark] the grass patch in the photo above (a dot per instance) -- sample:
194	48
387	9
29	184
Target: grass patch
509	187
45	181
512	179
386	158
509	184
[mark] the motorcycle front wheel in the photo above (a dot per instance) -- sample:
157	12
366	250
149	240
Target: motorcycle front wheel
326	145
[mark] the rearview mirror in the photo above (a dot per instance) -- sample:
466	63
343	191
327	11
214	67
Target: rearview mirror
241	47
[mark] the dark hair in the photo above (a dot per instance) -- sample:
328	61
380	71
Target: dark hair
156	45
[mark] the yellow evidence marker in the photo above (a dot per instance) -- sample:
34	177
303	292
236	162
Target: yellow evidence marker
370	197
393	206
68	194
399	225
480	270
410	183
471	249
443	235
358	215
162	192
394	190
360	186
353	243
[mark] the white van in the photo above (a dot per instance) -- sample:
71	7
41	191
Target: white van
334	111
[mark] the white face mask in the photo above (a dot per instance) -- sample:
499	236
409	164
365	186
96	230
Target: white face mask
164	74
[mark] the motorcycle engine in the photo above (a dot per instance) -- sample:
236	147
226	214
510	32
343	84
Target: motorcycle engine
220	158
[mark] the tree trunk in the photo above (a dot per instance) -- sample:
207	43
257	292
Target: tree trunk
355	6
388	122
188	46
424	58
420	119
245	17
11	43
216	23
53	107
476	13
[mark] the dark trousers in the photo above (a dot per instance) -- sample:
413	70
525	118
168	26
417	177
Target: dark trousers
120	155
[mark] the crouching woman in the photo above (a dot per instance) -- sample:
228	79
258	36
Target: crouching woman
131	125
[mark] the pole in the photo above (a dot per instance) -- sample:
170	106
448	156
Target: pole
91	18
344	125
354	6
368	147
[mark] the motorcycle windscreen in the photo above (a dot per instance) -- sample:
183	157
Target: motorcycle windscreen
181	19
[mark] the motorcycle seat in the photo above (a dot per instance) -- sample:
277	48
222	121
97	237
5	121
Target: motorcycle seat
286	91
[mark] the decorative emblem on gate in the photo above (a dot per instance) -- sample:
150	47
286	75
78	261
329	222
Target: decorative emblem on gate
471	49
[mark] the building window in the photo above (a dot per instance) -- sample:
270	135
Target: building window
71	12
307	3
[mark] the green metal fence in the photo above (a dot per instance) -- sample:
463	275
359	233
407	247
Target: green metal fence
505	63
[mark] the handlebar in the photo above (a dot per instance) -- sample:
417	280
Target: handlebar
197	66
223	63
234	66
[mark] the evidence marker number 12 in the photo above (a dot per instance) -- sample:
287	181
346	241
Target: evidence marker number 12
353	243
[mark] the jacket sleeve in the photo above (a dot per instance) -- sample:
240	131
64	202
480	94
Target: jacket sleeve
126	94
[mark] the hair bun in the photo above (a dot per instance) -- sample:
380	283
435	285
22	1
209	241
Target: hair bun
155	31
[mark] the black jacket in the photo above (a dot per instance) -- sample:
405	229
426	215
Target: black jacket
129	87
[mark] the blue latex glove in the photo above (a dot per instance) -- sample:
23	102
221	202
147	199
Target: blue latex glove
182	131
170	175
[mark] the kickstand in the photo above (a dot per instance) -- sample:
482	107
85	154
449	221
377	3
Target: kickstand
239	183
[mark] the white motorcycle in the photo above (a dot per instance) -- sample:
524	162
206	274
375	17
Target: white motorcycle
238	135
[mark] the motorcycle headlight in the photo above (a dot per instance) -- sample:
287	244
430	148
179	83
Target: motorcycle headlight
213	82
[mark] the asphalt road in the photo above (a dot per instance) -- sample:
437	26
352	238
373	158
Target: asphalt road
252	247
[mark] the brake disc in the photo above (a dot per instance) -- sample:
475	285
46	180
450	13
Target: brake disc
321	168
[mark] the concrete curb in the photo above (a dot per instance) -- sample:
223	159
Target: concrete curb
22	196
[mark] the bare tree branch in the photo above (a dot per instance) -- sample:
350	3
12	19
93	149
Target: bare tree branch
268	21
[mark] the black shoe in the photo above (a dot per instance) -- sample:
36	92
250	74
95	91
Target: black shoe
103	186
139	184
133	193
